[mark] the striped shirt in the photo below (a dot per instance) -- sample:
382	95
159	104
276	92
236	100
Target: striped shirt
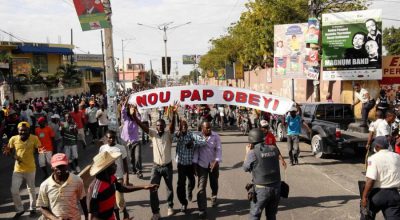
184	154
62	200
102	198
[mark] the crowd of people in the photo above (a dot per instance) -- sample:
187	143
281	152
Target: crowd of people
57	128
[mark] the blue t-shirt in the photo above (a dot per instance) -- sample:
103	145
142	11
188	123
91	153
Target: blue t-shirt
294	125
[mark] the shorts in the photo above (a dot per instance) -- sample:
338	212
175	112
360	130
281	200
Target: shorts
45	158
71	151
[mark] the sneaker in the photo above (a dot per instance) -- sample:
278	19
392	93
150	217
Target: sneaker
170	212
77	169
18	214
202	215
184	208
214	201
155	217
139	175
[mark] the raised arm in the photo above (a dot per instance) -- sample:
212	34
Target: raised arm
174	112
138	121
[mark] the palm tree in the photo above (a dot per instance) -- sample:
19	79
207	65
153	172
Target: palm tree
69	74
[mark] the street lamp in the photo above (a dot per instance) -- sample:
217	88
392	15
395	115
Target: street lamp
164	27
123	60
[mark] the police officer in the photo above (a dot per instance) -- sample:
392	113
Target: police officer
383	181
383	102
263	162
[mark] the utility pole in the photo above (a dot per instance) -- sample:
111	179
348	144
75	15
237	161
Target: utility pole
151	71
313	14
72	44
110	72
103	77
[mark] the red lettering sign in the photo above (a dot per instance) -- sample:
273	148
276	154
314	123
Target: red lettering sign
254	99
394	61
228	95
153	98
266	102
166	98
141	101
241	97
185	94
276	104
195	96
207	93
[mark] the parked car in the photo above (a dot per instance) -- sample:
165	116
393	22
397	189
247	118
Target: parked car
329	123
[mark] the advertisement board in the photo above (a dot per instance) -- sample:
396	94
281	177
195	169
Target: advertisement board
91	14
352	45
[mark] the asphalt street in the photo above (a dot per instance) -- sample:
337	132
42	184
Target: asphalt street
319	188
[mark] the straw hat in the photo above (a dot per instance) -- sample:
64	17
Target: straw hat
103	160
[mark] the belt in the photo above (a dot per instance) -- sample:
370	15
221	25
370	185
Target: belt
266	185
165	165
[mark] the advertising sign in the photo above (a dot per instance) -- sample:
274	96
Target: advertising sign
221	74
191	59
195	95
239	72
289	50
313	31
352	45
229	72
91	14
21	66
210	74
391	70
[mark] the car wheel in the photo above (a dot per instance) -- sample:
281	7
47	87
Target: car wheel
280	129
316	146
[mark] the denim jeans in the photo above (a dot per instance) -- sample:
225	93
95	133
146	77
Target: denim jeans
293	146
135	150
267	198
185	171
165	172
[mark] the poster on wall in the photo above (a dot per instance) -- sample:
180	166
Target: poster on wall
91	14
21	66
289	50
352	45
390	70
239	72
312	36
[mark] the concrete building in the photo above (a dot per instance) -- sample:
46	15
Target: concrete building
134	74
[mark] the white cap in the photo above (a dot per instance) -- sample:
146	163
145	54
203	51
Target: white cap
293	109
55	116
264	123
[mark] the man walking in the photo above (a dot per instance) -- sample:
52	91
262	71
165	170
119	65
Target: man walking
46	136
262	160
293	123
206	159
22	147
162	168
363	96
56	205
383	180
184	158
92	120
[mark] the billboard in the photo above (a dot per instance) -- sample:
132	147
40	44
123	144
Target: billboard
229	72
239	72
352	45
91	14
391	70
312	36
21	66
191	59
289	50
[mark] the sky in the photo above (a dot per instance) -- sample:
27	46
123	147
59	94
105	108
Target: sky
51	21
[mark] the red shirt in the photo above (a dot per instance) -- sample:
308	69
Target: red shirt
102	198
270	139
79	118
45	136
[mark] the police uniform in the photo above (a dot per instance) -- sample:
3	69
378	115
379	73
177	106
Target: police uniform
263	163
383	104
384	169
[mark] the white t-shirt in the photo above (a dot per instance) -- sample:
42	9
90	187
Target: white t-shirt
374	125
362	95
120	165
383	129
102	117
384	168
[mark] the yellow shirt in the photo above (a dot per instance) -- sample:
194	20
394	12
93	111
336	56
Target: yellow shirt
24	150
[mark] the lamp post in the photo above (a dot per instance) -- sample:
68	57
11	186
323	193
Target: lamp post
164	27
123	60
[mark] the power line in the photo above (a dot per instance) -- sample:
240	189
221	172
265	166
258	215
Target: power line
391	19
13	36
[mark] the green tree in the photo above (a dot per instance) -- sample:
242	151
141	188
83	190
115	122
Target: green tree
391	40
69	74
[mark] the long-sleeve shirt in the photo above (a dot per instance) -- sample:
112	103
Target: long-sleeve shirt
206	153
184	154
130	130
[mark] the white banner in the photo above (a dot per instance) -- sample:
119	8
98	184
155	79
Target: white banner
194	95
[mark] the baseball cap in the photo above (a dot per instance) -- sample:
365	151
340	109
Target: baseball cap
59	159
381	141
264	123
55	116
41	120
293	109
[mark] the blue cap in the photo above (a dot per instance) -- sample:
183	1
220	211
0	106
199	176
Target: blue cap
381	141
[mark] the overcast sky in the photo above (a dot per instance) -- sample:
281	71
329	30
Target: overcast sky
43	20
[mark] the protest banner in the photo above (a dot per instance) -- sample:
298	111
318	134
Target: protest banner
91	14
352	45
289	50
194	95
391	70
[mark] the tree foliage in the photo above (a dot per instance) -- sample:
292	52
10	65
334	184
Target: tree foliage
250	39
391	40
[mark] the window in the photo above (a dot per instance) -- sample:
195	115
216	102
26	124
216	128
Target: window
330	111
338	111
307	111
40	62
320	113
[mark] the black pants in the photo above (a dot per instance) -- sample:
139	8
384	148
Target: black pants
387	201
366	107
203	174
136	156
145	136
267	198
166	173
93	129
102	130
185	171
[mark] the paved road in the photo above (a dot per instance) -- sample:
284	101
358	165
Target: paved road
319	189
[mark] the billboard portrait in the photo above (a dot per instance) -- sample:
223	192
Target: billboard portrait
91	14
289	50
352	45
